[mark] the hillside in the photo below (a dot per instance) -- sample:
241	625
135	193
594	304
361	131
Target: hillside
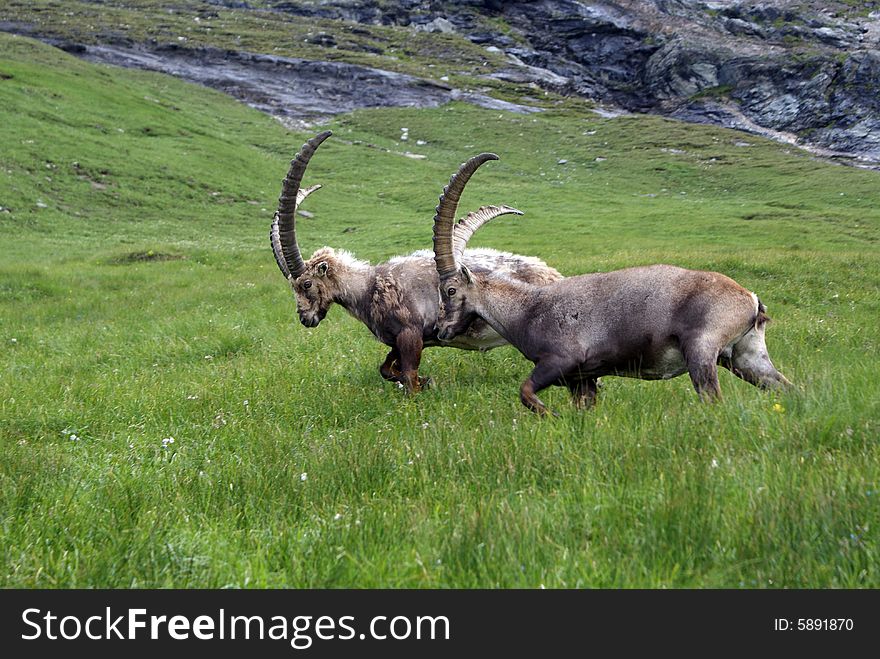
800	72
139	303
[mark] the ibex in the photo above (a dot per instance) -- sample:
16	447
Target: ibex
397	300
652	322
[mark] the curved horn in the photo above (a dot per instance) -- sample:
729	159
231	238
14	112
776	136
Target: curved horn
444	220
305	192
283	232
275	235
468	225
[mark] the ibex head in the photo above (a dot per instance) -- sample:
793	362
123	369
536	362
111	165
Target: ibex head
315	282
450	241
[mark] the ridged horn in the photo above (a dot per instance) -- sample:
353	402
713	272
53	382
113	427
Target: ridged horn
282	235
468	225
444	220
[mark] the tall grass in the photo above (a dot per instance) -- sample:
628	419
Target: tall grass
139	302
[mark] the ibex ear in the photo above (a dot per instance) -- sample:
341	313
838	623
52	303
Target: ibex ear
322	268
467	274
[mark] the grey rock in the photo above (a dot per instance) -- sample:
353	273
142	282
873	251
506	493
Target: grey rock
322	39
737	26
297	91
788	71
483	101
833	36
283	86
439	24
678	70
495	38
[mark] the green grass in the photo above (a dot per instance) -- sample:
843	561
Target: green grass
139	301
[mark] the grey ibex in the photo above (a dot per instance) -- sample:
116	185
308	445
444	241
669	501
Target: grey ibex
396	300
652	322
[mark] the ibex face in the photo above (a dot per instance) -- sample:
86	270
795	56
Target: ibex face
316	283
457	311
316	287
450	239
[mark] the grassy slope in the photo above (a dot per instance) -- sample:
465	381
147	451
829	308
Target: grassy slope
460	486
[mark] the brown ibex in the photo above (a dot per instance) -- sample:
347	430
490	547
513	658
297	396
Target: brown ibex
396	300
652	322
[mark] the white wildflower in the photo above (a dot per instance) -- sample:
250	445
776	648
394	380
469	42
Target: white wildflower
304	477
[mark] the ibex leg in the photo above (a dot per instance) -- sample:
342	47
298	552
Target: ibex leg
390	369
410	345
546	372
702	365
583	393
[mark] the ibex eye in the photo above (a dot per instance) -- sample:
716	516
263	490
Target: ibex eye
307	284
450	292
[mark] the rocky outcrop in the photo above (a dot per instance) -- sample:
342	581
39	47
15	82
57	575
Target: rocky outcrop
789	70
807	70
804	71
297	91
825	102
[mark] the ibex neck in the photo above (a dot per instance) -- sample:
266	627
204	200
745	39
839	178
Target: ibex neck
354	290
501	301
